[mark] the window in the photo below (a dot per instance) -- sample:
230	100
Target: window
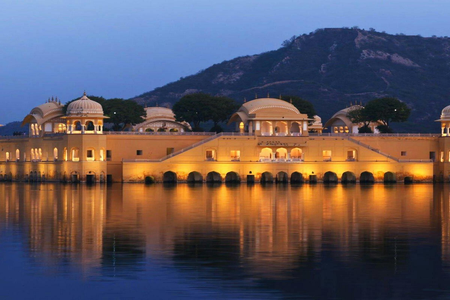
351	155
403	153
138	152
90	154
432	155
210	155
235	155
8	157
108	155
326	155
75	154
442	156
170	151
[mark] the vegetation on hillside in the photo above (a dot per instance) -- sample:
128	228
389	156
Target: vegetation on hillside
331	68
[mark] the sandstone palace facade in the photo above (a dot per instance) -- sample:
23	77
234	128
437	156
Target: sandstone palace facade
273	142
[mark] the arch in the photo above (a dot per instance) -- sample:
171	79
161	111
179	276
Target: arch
194	177
330	177
296	129
8	156
33	156
241	127
281	128
17	154
265	154
297	177
170	177
61	128
89	125
366	177
65	156
90	177
296	154
213	177
390	177
348	177
232	177
55	153
281	154
173	130
266	177
77	125
266	128
101	156
282	177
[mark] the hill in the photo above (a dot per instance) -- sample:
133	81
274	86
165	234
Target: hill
13	128
331	68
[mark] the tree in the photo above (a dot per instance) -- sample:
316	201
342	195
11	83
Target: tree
200	107
387	110
304	106
123	113
358	115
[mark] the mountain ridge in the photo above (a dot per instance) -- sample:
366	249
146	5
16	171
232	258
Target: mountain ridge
332	68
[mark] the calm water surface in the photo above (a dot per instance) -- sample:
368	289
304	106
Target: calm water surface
224	242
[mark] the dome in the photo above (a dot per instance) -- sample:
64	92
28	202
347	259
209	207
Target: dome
85	106
267	108
445	114
159	113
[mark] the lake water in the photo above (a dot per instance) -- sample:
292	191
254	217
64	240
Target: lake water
224	242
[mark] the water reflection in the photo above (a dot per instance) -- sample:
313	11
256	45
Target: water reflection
319	241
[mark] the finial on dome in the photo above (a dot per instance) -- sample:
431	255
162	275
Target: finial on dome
290	100
280	96
84	93
245	99
268	95
256	96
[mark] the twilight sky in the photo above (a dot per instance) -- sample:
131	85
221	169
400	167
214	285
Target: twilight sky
115	48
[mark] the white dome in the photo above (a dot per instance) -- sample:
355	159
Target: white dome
445	114
84	106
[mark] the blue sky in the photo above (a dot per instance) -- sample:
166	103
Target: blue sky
125	48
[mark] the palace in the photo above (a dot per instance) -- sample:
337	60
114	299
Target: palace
273	142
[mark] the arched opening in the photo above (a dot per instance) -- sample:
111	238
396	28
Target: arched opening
296	129
265	154
241	127
75	152
282	177
330	177
55	154
8	156
366	177
90	125
90	178
266	128
297	177
266	177
101	156
61	128
17	154
390	177
33	155
194	177
213	177
296	154
170	177
77	125
351	155
232	177
348	177
281	129
173	130
281	154
65	154
74	177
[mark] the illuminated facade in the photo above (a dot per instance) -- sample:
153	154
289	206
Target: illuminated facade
273	142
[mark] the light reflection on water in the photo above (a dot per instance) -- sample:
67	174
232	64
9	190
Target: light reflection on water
274	241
